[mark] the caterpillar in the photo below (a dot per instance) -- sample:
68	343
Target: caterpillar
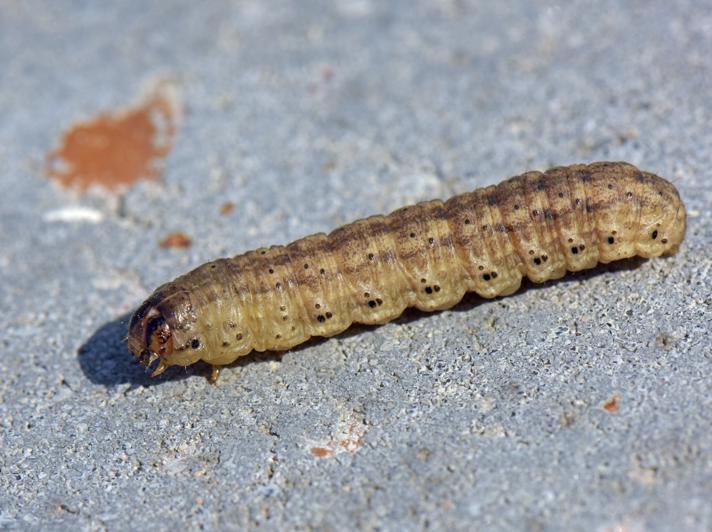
538	225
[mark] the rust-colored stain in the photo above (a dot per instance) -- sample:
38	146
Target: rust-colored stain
612	405
176	240
326	77
114	150
320	452
327	73
348	437
227	207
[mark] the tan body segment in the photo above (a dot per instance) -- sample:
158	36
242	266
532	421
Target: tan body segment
538	225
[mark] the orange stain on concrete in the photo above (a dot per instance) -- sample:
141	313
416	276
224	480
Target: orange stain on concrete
227	207
320	452
176	240
114	150
612	405
348	437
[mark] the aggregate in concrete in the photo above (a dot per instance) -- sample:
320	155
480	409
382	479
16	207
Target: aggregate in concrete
582	404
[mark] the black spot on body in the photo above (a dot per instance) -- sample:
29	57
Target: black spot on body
195	343
611	240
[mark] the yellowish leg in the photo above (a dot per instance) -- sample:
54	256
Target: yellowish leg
214	374
160	369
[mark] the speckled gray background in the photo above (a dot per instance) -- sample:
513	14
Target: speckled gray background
307	115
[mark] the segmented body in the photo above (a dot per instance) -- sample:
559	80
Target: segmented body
538	225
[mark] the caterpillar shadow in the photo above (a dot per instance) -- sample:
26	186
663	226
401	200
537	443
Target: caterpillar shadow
105	359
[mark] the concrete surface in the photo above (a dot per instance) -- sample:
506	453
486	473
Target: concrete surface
580	405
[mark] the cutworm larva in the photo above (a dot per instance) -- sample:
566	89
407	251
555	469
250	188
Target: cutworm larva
538	225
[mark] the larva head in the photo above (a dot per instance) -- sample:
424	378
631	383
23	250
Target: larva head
662	218
152	335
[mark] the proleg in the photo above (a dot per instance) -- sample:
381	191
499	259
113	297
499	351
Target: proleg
538	225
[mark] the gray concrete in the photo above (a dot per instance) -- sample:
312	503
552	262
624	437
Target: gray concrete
489	416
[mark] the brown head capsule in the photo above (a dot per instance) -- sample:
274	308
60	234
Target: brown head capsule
150	337
536	225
